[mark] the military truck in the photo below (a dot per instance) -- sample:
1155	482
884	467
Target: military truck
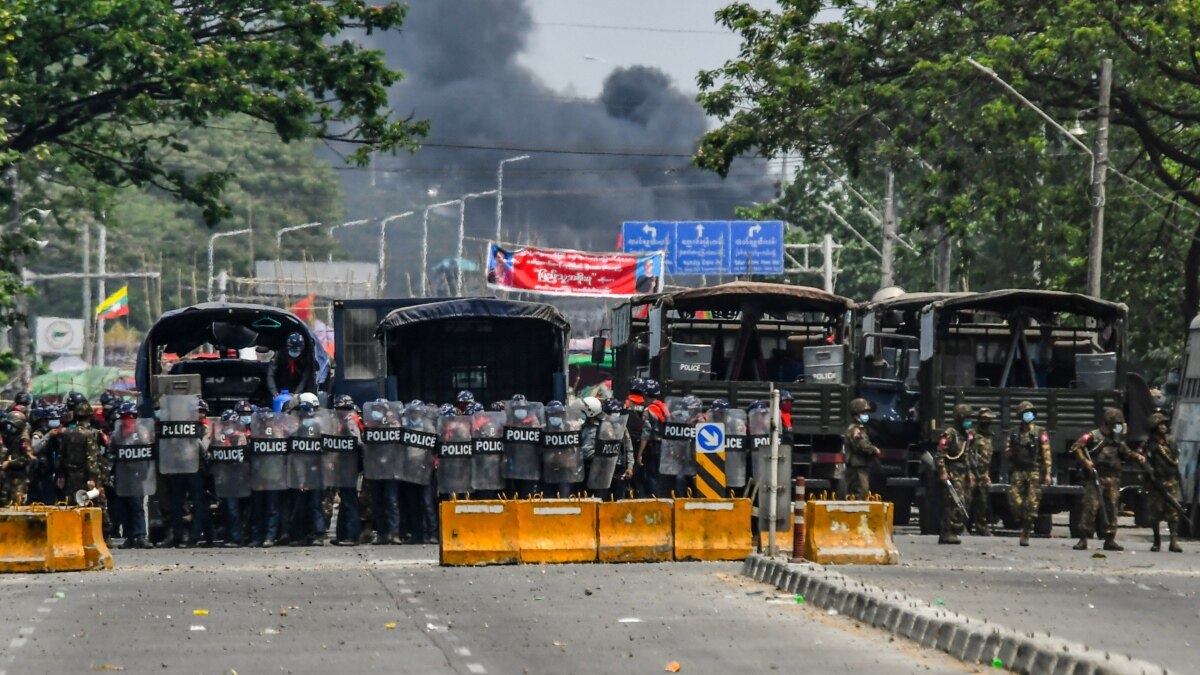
1064	352
734	341
1185	425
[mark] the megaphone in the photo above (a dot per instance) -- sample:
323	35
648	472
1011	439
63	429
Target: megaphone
85	497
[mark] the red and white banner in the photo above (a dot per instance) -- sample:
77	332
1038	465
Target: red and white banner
565	272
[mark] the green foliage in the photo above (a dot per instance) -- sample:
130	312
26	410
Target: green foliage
888	84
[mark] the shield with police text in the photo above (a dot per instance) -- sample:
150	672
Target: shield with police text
678	457
340	435
228	456
418	443
268	451
304	459
737	444
454	454
383	456
610	439
487	451
179	434
134	451
759	424
562	458
523	440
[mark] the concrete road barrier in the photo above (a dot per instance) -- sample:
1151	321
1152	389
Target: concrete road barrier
557	530
483	532
636	530
712	529
95	551
849	532
51	539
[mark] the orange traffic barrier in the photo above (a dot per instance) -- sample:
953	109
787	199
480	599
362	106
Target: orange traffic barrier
712	529
483	532
41	539
849	532
557	530
636	530
94	549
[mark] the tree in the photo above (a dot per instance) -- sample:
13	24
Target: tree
887	83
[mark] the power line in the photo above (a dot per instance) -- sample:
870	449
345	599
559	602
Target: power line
640	29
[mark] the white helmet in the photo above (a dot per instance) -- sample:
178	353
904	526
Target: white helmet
310	398
591	407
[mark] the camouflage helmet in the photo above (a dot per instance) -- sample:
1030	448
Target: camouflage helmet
985	415
83	410
859	406
1113	416
962	411
14	421
1156	419
1025	406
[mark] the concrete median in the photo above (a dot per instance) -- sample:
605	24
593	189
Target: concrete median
557	530
712	529
479	533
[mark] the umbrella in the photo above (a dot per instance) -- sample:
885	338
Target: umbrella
91	382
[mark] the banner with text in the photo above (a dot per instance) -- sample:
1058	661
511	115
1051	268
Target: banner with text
565	272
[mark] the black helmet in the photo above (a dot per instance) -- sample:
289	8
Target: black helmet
202	406
229	415
612	406
107	399
653	388
343	402
859	406
243	408
22	398
637	386
720	404
305	409
74	398
295	342
757	405
785	395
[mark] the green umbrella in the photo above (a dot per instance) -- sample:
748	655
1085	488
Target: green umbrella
90	382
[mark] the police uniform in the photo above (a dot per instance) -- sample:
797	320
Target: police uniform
1106	453
1162	462
859	449
1029	469
952	460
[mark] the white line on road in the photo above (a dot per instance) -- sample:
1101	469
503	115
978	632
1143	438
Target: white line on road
44	610
17	642
476	668
405	591
431	616
27	630
462	651
50	600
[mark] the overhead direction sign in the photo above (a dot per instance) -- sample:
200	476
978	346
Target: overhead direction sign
709	247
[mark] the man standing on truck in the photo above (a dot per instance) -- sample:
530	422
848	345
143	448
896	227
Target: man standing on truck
954	475
1162	479
980	462
859	449
288	370
1100	451
1029	458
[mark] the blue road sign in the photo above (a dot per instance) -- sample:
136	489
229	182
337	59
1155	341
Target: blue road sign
710	437
756	247
701	247
709	246
647	237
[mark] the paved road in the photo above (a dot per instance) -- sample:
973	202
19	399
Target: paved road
390	609
1139	603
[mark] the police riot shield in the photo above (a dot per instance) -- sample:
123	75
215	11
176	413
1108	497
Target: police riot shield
759	424
228	459
678	458
454	454
523	440
737	444
133	458
418	443
609	439
487	451
304	458
383	458
179	434
562	458
339	448
268	451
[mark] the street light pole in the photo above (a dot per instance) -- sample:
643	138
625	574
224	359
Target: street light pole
290	228
211	241
381	281
500	192
425	243
349	223
462	235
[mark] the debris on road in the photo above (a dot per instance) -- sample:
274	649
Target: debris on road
672	667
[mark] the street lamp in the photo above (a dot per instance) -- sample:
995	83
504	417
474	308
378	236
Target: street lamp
290	228
349	223
382	280
211	241
500	192
462	234
425	243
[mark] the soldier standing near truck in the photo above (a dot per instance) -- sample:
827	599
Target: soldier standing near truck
1029	458
1162	481
980	467
859	449
1100	451
953	472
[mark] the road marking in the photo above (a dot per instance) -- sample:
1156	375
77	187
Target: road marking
17	642
405	591
431	616
44	610
27	630
50	600
462	651
415	601
476	668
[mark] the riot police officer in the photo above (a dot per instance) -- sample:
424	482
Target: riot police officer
307	519
187	489
17	461
126	431
653	420
349	521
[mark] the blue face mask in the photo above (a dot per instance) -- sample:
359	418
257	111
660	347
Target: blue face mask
377	415
244	419
967	424
157	414
1118	428
54	423
864	417
1027	416
308	422
294	353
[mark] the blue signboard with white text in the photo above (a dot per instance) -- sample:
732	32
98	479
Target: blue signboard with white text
709	247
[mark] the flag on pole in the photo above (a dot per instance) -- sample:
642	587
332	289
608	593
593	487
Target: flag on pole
114	305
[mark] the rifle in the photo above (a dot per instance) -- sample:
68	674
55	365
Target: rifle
1167	496
954	496
1102	511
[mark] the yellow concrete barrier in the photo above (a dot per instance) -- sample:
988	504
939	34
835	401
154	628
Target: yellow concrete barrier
557	530
94	549
712	529
41	539
636	530
483	532
843	532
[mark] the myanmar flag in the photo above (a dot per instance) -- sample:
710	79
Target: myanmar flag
114	305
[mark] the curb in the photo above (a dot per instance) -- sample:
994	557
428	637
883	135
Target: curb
962	637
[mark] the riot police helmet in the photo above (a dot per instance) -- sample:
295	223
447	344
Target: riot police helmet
720	404
202	406
127	409
637	386
343	402
413	407
653	388
304	409
497	406
693	405
475	407
295	345
243	408
74	398
612	406
757	405
518	398
592	407
229	415
464	396
311	399
22	398
448	410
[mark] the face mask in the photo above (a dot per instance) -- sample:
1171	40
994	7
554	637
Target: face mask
244	419
377	415
520	413
1118	428
54	423
967	424
294	353
127	426
157	414
863	418
555	421
1027	416
308	422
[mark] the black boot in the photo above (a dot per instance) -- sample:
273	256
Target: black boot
1157	540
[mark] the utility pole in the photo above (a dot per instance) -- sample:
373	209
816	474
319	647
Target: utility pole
20	329
887	249
88	327
1099	176
101	268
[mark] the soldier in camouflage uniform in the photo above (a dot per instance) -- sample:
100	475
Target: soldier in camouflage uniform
980	468
17	460
856	443
1162	458
951	461
1106	449
1029	461
82	462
